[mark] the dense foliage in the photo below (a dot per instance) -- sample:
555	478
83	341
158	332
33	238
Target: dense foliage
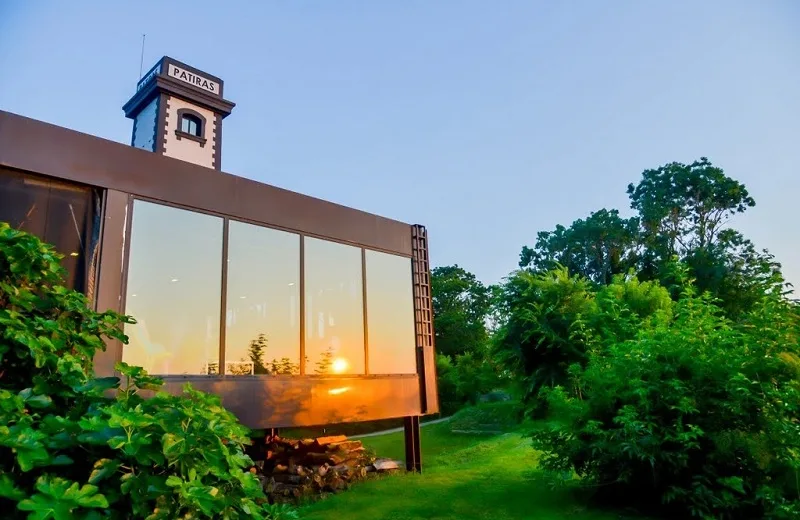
75	446
663	351
682	210
465	378
553	320
461	305
464	363
694	412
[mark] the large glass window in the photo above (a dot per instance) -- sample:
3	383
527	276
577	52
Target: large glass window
174	290
334	311
62	214
263	301
390	314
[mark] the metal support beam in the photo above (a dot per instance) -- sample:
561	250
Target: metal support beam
413	449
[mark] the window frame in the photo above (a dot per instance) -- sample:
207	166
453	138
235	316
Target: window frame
201	127
224	287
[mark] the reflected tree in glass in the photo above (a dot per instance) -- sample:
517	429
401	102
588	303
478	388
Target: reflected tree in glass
334	312
263	301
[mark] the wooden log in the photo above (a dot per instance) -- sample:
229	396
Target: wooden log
346	445
335	459
324	441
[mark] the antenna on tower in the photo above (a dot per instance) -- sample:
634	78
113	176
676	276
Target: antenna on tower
141	60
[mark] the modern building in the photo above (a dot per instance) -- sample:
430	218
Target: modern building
296	311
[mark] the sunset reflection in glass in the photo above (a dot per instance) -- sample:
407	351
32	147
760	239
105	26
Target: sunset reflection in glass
334	308
262	334
174	290
390	314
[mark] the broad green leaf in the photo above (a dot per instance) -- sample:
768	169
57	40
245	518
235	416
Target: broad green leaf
174	481
9	490
172	445
103	469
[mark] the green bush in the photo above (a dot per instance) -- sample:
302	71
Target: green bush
695	415
491	417
464	378
553	320
75	446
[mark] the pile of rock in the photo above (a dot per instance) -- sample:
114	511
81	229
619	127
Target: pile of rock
294	468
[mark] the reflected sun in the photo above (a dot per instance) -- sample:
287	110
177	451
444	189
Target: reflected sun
339	365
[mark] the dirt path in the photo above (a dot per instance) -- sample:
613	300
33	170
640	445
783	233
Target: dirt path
393	430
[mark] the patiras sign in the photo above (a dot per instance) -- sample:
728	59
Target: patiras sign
193	79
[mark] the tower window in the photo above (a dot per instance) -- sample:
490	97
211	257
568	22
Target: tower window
191	124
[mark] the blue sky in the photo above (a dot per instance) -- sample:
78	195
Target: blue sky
485	121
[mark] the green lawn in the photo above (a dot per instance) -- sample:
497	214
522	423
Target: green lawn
464	477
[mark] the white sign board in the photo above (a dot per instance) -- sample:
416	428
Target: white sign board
193	79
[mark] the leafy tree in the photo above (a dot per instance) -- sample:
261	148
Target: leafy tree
323	366
67	450
283	366
684	207
597	248
683	210
545	329
554	320
256	352
693	416
461	306
464	378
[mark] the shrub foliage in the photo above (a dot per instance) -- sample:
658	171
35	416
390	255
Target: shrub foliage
76	446
693	414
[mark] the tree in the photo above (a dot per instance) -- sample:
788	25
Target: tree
256	353
554	320
683	212
693	416
461	307
597	248
323	366
683	208
544	330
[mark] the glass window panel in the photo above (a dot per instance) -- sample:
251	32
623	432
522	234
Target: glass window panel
334	308
173	290
59	213
390	314
263	301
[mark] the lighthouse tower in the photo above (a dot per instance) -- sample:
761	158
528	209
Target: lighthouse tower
177	111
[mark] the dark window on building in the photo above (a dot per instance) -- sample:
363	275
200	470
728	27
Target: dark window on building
62	214
191	124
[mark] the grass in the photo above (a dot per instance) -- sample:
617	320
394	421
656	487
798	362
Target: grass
465	476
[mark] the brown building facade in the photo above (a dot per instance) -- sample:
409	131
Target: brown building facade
296	311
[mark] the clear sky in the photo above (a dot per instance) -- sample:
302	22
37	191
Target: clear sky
485	121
